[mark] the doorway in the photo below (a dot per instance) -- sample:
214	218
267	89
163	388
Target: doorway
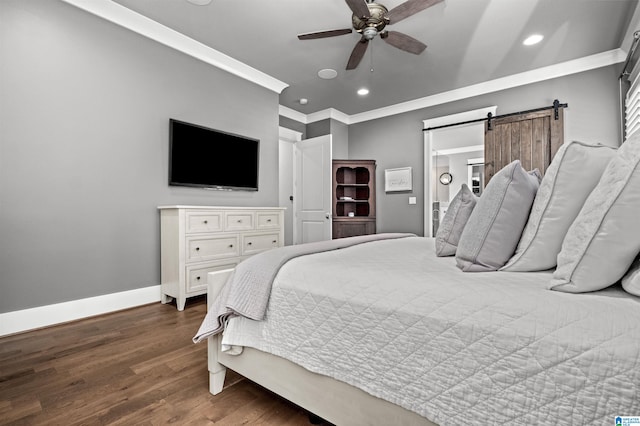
287	139
447	150
311	190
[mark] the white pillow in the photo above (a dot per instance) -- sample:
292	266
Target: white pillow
631	281
605	237
494	228
570	178
454	221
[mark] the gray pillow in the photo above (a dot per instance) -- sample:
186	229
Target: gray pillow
631	280
604	239
454	221
492	233
570	178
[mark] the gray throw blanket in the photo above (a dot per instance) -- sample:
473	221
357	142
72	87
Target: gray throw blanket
247	290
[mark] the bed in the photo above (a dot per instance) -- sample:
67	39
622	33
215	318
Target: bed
381	330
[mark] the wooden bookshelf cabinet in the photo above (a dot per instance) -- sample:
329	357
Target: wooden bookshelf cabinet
354	198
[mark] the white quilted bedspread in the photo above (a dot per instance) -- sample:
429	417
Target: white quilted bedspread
458	348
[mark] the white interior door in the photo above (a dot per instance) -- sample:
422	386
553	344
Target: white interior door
312	190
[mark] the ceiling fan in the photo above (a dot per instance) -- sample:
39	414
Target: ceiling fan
370	19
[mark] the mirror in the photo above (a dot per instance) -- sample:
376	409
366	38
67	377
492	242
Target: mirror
455	150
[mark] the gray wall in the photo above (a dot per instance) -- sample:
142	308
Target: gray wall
84	112
397	141
339	136
318	128
293	125
340	140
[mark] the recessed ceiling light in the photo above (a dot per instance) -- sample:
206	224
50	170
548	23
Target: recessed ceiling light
304	101
199	2
327	74
533	39
363	92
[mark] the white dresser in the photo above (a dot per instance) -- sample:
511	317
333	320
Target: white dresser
196	240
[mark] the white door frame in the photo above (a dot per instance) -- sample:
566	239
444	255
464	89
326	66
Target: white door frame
429	137
287	139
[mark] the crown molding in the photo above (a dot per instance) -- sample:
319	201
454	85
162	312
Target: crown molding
550	72
127	18
329	113
293	114
325	114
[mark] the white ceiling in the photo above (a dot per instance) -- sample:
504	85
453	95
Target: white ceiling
469	41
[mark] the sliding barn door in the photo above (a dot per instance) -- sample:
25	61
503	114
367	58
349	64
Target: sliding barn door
532	138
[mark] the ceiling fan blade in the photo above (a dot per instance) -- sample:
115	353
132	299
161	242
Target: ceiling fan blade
357	54
324	34
359	8
408	8
403	42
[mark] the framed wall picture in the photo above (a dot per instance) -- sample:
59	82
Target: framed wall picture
398	179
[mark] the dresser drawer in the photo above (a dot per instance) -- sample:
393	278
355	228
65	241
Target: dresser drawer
198	221
268	220
207	248
238	221
256	243
197	274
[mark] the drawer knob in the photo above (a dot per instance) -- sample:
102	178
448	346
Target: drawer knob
268	220
197	248
274	241
198	278
249	243
239	220
230	245
205	222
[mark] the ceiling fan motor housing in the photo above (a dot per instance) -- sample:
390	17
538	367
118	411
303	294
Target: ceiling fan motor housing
374	24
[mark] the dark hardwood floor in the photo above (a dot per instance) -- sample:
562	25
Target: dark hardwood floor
134	367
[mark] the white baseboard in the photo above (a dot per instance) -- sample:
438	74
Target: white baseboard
44	316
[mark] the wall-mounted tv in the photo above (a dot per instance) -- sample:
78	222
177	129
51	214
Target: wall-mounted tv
212	159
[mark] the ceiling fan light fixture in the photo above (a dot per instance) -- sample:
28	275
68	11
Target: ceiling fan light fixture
533	39
369	33
363	91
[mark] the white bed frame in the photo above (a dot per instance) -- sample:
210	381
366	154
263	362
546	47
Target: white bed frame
330	399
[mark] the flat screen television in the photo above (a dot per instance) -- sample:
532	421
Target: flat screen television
212	159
